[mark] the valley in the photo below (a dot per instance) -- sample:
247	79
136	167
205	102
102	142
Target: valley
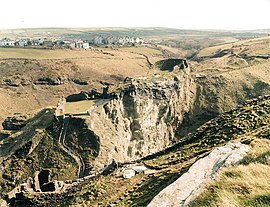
88	116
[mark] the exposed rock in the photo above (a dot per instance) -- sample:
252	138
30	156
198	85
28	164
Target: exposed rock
25	82
78	97
94	94
141	118
139	169
105	92
12	82
4	134
222	53
190	184
110	168
129	173
3	203
15	122
90	95
47	80
169	64
80	81
16	81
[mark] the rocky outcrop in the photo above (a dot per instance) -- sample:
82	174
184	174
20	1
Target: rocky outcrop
3	203
190	184
142	118
80	81
77	97
15	122
49	80
169	64
84	95
4	134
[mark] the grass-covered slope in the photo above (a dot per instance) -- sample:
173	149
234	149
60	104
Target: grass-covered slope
33	148
228	77
246	185
245	123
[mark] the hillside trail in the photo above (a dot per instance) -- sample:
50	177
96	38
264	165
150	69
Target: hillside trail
63	133
68	150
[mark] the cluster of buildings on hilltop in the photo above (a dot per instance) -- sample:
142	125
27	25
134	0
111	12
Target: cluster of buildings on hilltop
98	40
117	40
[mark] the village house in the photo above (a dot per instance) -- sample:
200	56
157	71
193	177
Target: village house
20	43
139	40
85	44
81	44
7	42
47	43
72	45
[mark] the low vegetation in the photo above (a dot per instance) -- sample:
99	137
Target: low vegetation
246	185
243	123
259	49
234	73
78	106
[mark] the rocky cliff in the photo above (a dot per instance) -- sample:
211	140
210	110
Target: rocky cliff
139	118
142	117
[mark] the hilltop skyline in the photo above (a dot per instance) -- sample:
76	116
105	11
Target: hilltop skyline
191	14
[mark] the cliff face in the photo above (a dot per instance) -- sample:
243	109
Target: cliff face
142	118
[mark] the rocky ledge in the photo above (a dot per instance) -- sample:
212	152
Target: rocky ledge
190	184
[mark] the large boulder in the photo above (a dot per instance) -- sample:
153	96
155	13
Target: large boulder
186	188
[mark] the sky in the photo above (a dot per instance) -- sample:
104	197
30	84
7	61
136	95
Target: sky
183	14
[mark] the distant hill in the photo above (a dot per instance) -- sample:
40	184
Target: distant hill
70	33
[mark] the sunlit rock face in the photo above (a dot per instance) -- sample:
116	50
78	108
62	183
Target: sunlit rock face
142	117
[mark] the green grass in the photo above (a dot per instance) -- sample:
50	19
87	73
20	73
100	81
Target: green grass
78	106
246	185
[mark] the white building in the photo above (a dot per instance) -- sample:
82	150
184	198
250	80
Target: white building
7	43
85	45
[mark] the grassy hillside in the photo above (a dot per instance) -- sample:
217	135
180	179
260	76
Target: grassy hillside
259	46
30	149
229	77
20	70
144	32
248	124
226	78
246	185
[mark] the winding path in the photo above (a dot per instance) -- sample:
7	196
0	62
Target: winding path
63	133
68	150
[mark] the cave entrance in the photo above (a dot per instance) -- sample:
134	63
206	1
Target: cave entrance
48	187
43	177
44	181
